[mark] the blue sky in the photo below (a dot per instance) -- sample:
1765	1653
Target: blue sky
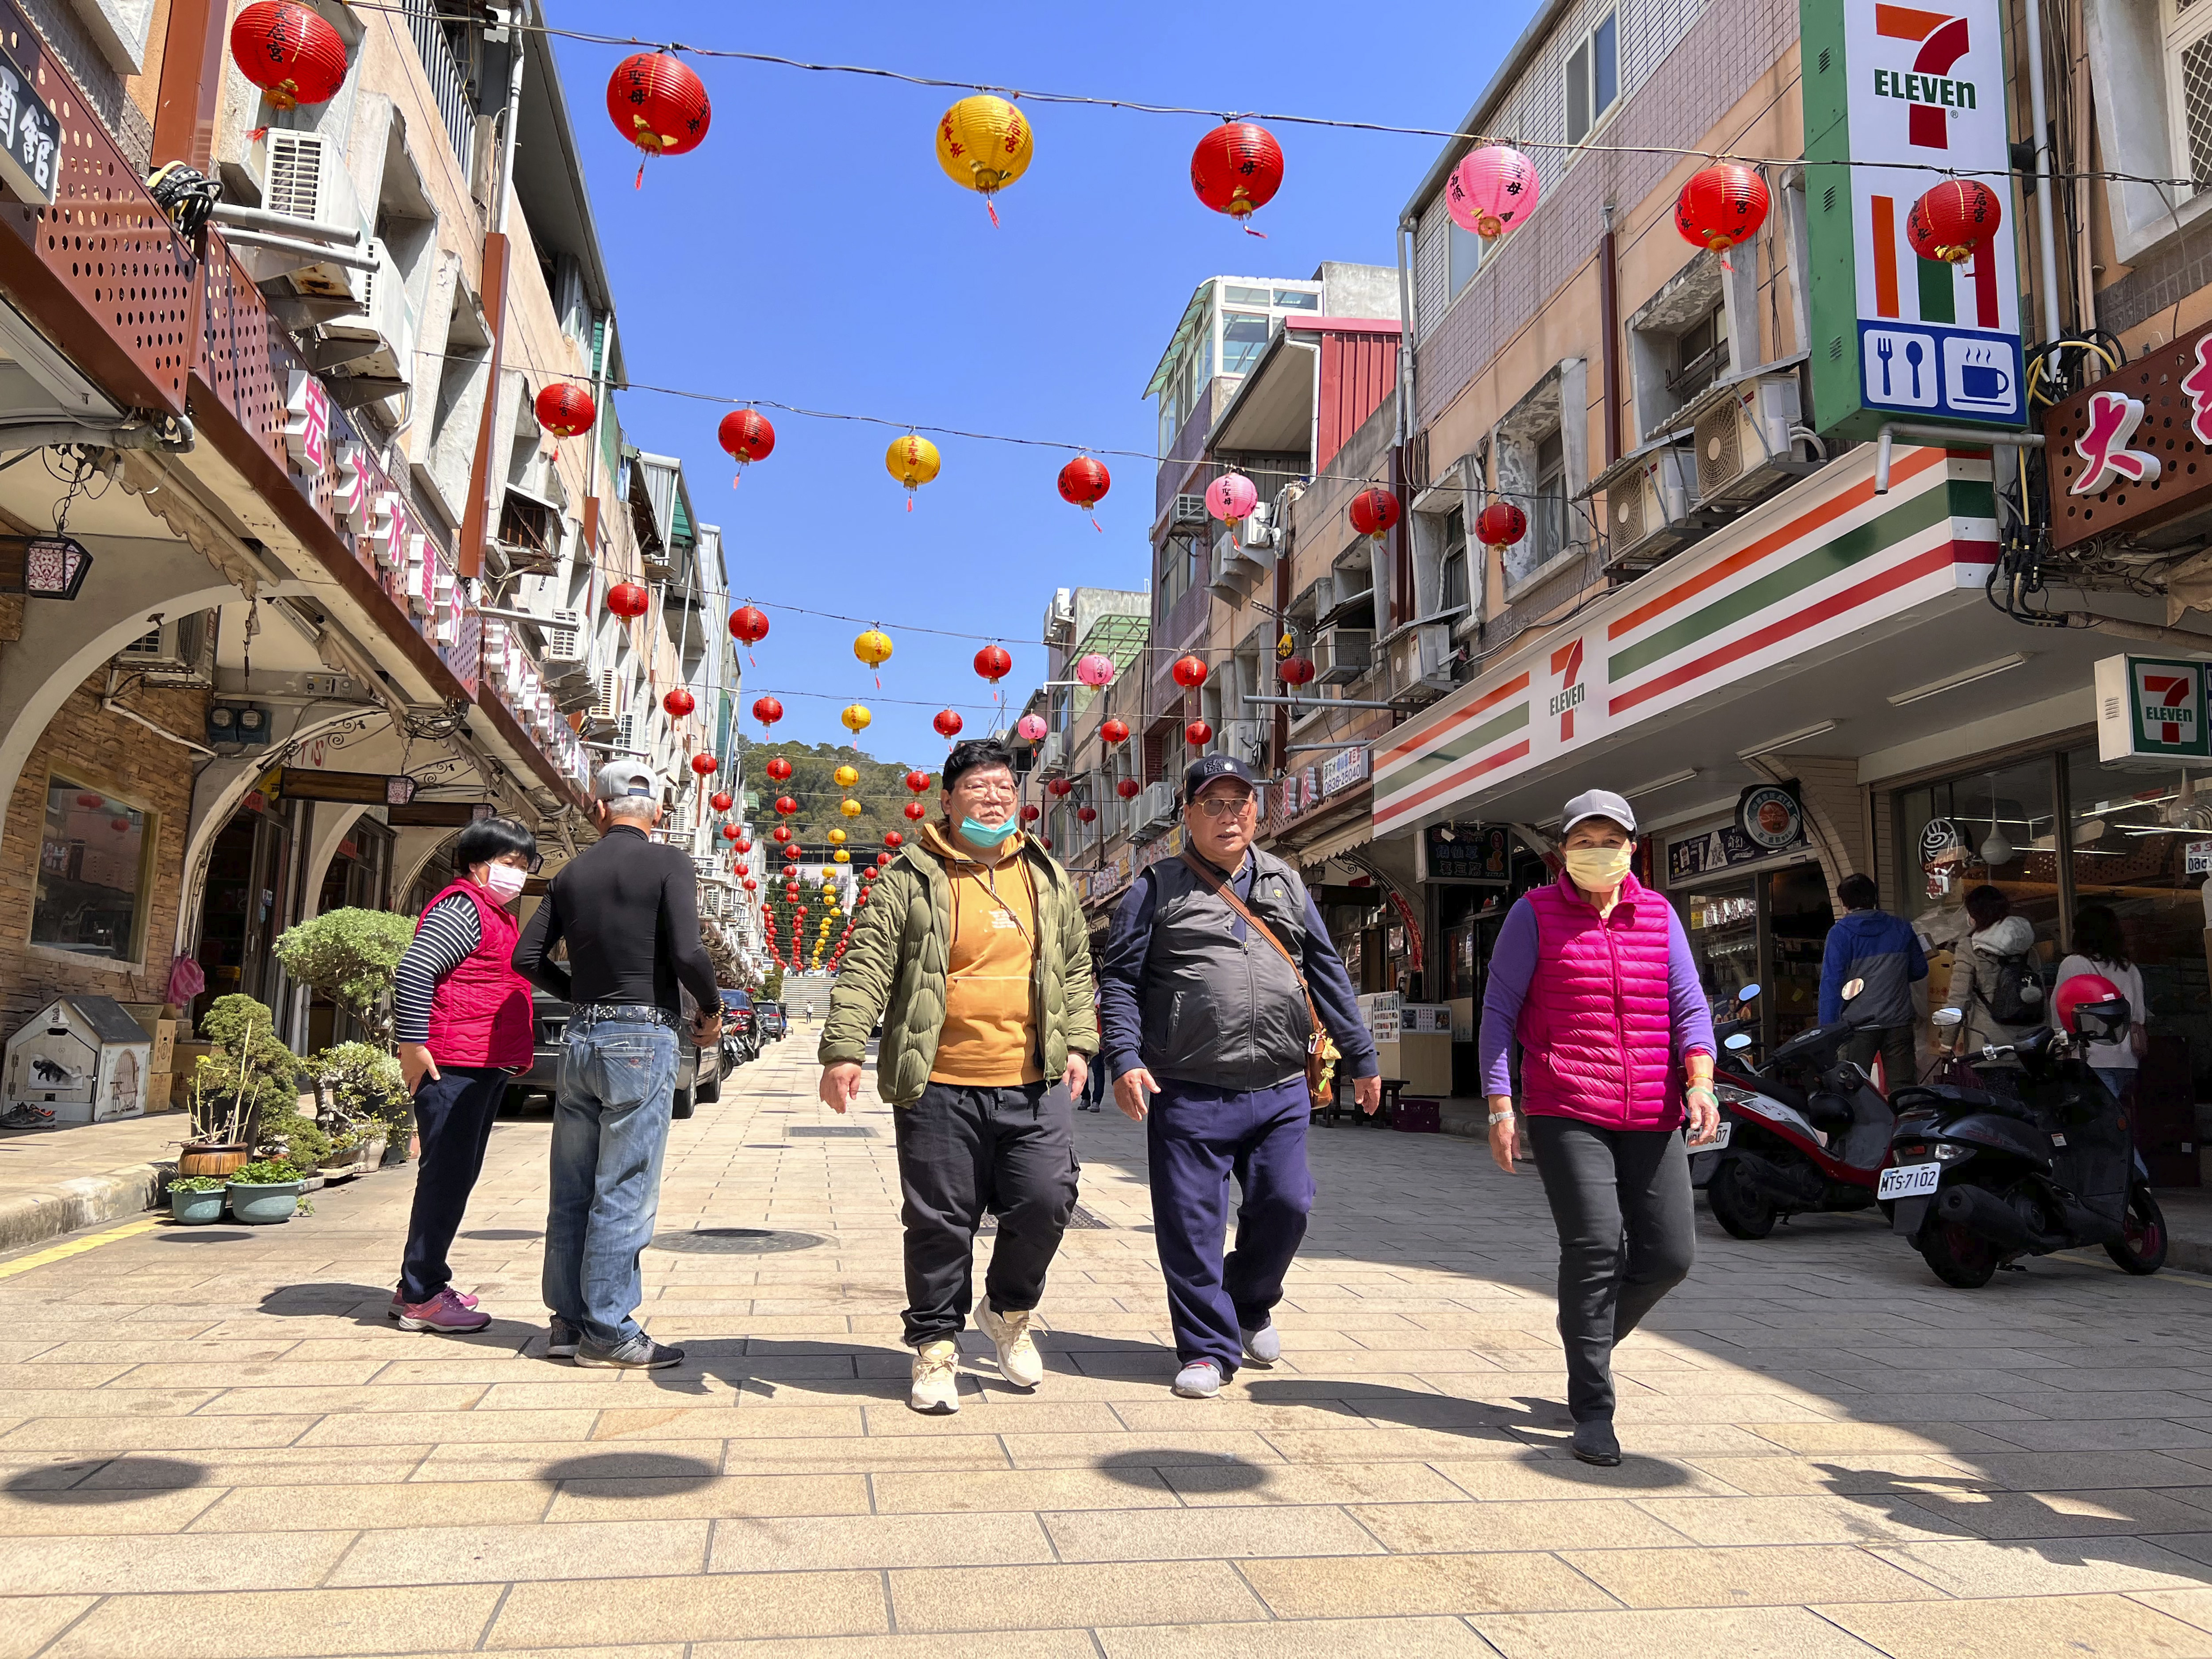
812	253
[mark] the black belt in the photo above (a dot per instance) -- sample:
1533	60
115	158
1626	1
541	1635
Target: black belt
644	1014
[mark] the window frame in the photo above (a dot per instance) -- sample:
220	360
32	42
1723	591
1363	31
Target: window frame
1580	76
142	894
2182	24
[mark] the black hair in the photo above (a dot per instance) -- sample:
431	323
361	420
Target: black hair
486	839
977	751
1988	906
2097	935
1858	892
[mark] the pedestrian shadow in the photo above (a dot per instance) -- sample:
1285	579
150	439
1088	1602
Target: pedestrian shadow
1172	1469
367	1305
620	1474
96	1482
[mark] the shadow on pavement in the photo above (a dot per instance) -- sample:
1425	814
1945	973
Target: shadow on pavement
629	1475
121	1480
366	1305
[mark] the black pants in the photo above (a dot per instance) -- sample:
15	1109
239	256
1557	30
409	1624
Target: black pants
1894	1044
962	1152
453	1115
1621	1199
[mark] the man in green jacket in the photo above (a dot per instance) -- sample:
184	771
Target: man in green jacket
972	951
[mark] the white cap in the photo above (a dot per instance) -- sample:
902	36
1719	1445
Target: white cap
621	778
1599	804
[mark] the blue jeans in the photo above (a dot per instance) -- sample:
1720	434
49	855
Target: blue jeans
610	1128
2116	1079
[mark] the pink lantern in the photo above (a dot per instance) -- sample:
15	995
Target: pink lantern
1031	728
1492	192
1094	669
1230	497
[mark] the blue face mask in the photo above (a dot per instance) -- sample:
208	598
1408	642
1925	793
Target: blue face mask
986	836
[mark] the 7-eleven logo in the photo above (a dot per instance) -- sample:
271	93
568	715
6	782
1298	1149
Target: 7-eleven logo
1567	666
2167	701
1927	89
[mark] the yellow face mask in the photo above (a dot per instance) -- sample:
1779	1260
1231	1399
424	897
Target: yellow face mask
1598	869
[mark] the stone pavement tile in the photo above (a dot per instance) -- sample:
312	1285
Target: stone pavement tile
1343	1586
1036	1644
28	1623
2030	1627
1070	1597
1669	1439
1873	1518
723	1419
279	1624
1374	1445
27	1375
423	1503
957	1449
45	1514
412	1428
1355	1362
136	1351
1529	1524
2076	1567
1739	1632
2009	1514
1155	1449
1786	1575
1538	1474
225	1374
644	1610
1228	1412
1224	1533
2061	1404
608	1391
2086	1471
653	1650
115	1434
1003	1410
90	1402
979	1492
176	1561
658	1498
752	1544
1213	1486
1941	1438
1642	1407
275	1401
1843	1474
1340	1638
558	1460
497	1554
247	1467
2105	1378
2111	1434
2192	1607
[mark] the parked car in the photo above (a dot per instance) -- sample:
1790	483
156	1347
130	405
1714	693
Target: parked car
774	1021
741	1036
698	1071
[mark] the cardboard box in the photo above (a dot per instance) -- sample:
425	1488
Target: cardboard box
162	1093
1421	1059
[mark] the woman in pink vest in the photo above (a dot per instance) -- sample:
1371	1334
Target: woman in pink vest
464	1022
1592	977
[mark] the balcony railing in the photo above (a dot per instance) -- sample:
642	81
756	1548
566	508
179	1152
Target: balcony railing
448	86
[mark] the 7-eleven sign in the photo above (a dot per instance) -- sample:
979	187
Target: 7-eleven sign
2151	709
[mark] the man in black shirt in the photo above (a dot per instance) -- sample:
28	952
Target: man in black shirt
628	908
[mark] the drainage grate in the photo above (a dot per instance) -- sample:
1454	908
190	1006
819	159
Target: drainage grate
1081	1221
735	1241
830	1131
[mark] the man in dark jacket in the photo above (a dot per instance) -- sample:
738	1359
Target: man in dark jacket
1203	1014
1883	953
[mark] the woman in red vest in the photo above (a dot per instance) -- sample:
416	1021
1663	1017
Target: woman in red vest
1592	976
464	1022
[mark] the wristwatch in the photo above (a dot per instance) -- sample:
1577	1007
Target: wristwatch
1497	1118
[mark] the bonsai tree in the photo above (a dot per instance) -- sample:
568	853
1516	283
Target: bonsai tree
359	1084
249	1079
351	957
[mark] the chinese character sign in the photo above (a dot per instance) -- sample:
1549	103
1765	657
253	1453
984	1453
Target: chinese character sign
30	138
307	424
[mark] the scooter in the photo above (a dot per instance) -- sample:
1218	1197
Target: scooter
1806	1132
2040	1161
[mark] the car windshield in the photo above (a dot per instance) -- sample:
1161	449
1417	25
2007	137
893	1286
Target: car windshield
736	1000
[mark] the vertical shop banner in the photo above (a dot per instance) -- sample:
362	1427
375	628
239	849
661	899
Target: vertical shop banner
1904	94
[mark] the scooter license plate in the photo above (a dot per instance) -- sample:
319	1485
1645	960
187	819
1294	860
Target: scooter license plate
1909	1181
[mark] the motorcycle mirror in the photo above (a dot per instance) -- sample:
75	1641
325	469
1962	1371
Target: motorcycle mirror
1749	993
1948	1017
1738	1043
1852	987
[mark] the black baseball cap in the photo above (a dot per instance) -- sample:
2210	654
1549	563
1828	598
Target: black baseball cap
1203	771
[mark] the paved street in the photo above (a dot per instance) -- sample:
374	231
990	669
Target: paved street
215	1444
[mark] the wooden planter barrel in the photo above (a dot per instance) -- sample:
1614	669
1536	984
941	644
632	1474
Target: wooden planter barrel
210	1157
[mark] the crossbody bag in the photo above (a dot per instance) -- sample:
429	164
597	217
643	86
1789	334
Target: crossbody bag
1321	1052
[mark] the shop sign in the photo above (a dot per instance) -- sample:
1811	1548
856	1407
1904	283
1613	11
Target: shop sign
1722	847
1906	94
2100	481
1771	816
2150	711
2196	859
1343	769
1167	845
1467	854
1109	879
30	138
1286	797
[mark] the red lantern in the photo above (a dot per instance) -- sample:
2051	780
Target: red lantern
1030	814
917	782
721	800
1500	525
1198	734
565	410
948	725
882	859
892	838
745	841
627	599
679	702
1722	206
747	436
1237	168
292	55
1128	789
766	710
1374	510
1084	482
705	765
751	886
995	663
915	810
781	833
1045	841
1295	670
731	832
748	625
1954	220
778	769
1189	672
791	855
658	104
785	806
1086	814
1061	788
1114	730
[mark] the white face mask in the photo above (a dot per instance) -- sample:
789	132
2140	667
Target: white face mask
1599	869
505	881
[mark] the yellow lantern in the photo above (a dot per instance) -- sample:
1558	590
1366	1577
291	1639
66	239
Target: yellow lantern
873	648
912	461
846	776
836	837
984	143
850	808
855	718
843	857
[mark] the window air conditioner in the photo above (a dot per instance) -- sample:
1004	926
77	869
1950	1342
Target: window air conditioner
1188	509
1743	439
607	706
303	177
387	333
1053	753
1155	808
170	653
567	641
1421	659
1060	617
1651	511
1246	739
1343	654
1255	530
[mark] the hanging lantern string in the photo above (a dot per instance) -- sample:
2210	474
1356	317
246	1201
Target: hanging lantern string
1140	107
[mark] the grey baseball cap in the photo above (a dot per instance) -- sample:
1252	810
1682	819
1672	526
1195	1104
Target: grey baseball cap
1203	771
1599	804
621	779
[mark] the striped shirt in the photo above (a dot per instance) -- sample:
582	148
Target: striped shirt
448	935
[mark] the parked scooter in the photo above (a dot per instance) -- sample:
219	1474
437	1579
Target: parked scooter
2040	1161
1806	1131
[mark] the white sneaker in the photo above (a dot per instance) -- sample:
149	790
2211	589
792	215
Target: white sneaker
936	1378
1199	1379
1019	1363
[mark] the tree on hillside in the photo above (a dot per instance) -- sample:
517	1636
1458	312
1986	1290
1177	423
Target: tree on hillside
881	792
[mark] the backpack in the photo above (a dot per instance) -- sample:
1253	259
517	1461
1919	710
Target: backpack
2017	999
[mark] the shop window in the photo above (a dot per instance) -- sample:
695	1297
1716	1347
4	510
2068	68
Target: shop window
94	869
1998	827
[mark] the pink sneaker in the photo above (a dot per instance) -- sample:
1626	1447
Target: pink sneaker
442	1312
398	1305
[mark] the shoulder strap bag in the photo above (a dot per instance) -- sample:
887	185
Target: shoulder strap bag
1321	1052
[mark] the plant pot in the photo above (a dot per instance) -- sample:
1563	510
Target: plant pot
372	1155
197	1209
312	1183
213	1157
395	1154
264	1205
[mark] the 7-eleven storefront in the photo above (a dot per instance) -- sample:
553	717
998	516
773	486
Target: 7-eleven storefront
1834	643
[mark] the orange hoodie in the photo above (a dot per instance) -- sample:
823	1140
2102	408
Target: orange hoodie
989	1039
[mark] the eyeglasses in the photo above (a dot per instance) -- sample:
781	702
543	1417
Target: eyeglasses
1220	806
532	862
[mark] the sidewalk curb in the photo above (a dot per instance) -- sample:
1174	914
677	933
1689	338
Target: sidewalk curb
43	1212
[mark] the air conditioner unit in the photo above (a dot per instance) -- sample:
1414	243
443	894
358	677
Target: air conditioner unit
1743	439
1246	739
1651	510
1255	530
607	705
387	333
1053	752
303	177
1060	617
567	640
1188	510
1233	572
1343	654
171	652
1421	659
1155	808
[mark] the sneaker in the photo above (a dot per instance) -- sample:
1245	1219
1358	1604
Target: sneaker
1263	1347
442	1312
27	1116
1019	1363
399	1303
640	1353
1596	1443
561	1339
936	1378
1199	1379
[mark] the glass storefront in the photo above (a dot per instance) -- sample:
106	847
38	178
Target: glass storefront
1768	929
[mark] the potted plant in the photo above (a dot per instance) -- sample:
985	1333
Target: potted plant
362	1091
195	1200
351	956
250	1077
265	1191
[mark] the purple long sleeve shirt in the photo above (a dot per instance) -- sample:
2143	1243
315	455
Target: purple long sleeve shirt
1513	964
